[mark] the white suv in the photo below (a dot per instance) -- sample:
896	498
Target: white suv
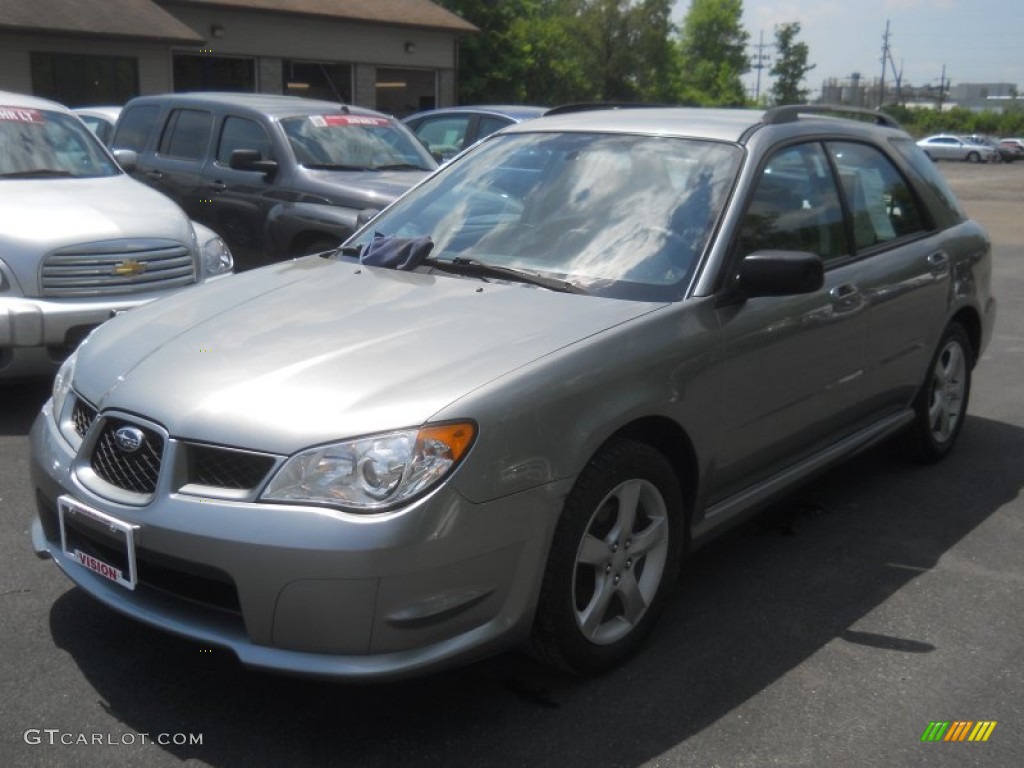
80	240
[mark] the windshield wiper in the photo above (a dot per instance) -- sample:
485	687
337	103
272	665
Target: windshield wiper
335	167
400	167
470	267
36	172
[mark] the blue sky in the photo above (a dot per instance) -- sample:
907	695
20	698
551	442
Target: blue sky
977	40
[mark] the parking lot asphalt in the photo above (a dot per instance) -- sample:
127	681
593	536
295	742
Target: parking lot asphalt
830	631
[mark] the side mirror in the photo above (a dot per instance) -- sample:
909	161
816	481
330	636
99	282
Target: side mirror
779	273
251	160
128	159
365	215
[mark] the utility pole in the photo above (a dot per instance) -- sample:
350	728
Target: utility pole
885	62
942	88
759	60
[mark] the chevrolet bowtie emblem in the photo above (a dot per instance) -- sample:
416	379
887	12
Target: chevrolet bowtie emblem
129	268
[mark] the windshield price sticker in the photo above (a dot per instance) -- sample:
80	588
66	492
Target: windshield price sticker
21	115
331	121
80	525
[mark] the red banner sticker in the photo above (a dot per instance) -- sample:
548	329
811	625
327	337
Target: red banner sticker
330	121
21	115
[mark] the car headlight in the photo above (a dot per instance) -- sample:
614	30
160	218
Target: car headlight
216	257
62	384
375	473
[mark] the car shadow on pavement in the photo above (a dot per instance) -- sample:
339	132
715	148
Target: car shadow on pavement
750	608
19	403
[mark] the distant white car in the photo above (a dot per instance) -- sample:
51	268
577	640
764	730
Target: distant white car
100	120
80	240
1016	145
947	147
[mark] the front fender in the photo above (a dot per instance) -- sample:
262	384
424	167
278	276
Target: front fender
290	224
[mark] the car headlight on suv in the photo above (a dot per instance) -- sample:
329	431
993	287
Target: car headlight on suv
375	473
215	257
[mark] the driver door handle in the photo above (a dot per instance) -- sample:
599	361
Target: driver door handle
846	297
938	263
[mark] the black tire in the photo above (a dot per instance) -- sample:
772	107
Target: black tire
611	564
941	406
973	157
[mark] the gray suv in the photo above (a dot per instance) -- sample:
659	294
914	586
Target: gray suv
505	411
275	176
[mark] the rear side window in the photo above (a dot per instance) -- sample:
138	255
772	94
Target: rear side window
242	133
881	203
489	125
444	136
134	127
187	135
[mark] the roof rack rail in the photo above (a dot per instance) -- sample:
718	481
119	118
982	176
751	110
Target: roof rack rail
589	106
789	113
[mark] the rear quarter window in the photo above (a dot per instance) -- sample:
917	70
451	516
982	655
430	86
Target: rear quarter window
925	170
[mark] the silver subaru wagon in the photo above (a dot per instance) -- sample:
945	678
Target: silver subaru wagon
503	412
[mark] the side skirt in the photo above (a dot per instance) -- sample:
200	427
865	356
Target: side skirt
747	502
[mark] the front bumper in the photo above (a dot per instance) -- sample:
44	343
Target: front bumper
314	591
37	334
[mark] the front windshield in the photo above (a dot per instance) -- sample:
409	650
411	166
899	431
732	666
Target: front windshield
354	142
38	143
619	215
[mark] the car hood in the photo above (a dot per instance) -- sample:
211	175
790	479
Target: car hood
362	189
305	352
40	215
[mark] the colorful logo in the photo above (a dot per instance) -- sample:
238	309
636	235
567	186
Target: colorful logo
958	730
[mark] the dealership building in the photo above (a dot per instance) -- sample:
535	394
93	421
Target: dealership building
398	56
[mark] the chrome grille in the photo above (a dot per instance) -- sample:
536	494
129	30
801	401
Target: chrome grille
117	267
82	417
137	471
225	468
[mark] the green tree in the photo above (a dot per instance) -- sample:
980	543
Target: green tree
490	61
790	66
558	51
627	47
713	54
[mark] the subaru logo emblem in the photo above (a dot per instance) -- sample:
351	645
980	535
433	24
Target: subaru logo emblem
129	439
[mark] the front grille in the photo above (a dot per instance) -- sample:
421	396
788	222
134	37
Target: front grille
82	417
117	267
136	471
224	468
194	582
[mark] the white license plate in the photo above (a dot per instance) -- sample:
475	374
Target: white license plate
97	541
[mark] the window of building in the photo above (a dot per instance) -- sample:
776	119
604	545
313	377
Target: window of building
193	72
318	80
400	92
79	80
